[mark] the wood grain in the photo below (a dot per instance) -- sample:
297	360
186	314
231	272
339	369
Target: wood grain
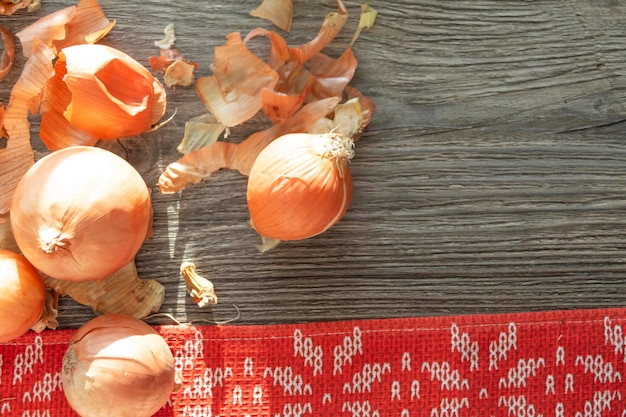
491	179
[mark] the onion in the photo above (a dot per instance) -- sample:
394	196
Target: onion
22	295
80	213
117	365
300	185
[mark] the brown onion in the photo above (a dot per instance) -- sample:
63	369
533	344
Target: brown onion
300	185
22	295
117	365
80	213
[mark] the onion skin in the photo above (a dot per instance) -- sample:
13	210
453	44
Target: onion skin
297	188
117	365
80	213
22	295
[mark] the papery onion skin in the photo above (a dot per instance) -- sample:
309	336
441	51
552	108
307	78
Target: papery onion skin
22	295
80	213
117	365
298	188
101	92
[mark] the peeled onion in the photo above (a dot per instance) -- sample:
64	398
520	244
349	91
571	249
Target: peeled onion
300	185
80	213
117	365
22	295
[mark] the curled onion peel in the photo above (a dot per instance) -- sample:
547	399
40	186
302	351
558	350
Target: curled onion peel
22	295
18	156
73	25
198	165
279	12
117	365
98	92
10	7
8	55
80	213
300	185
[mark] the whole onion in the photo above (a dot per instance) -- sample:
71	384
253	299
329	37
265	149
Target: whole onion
300	185
80	213
22	295
117	365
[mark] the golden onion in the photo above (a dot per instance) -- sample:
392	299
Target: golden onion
300	185
22	295
117	365
80	213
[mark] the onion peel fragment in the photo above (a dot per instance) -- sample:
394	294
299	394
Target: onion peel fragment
366	21
73	25
25	97
232	93
198	165
8	55
200	131
279	12
332	25
9	7
3	133
120	293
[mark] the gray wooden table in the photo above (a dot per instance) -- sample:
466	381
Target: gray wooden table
492	177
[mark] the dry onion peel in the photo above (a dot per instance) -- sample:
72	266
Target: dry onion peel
278	52
200	289
117	365
80	213
10	7
332	25
18	155
232	93
22	295
170	38
300	185
48	319
200	131
331	76
102	93
73	25
3	133
123	292
8	55
279	12
366	21
198	165
180	73
7	241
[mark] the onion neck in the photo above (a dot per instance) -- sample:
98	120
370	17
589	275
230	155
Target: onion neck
51	239
339	148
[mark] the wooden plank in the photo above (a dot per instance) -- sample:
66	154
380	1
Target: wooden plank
491	178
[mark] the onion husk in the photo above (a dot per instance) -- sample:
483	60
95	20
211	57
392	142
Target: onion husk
18	156
98	92
200	289
8	55
198	165
279	12
10	7
73	25
120	293
232	93
117	365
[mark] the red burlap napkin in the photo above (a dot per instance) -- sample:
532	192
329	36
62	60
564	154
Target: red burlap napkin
565	363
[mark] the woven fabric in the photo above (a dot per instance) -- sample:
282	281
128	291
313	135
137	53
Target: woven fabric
566	363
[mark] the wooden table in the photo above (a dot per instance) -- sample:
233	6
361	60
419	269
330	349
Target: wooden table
491	179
